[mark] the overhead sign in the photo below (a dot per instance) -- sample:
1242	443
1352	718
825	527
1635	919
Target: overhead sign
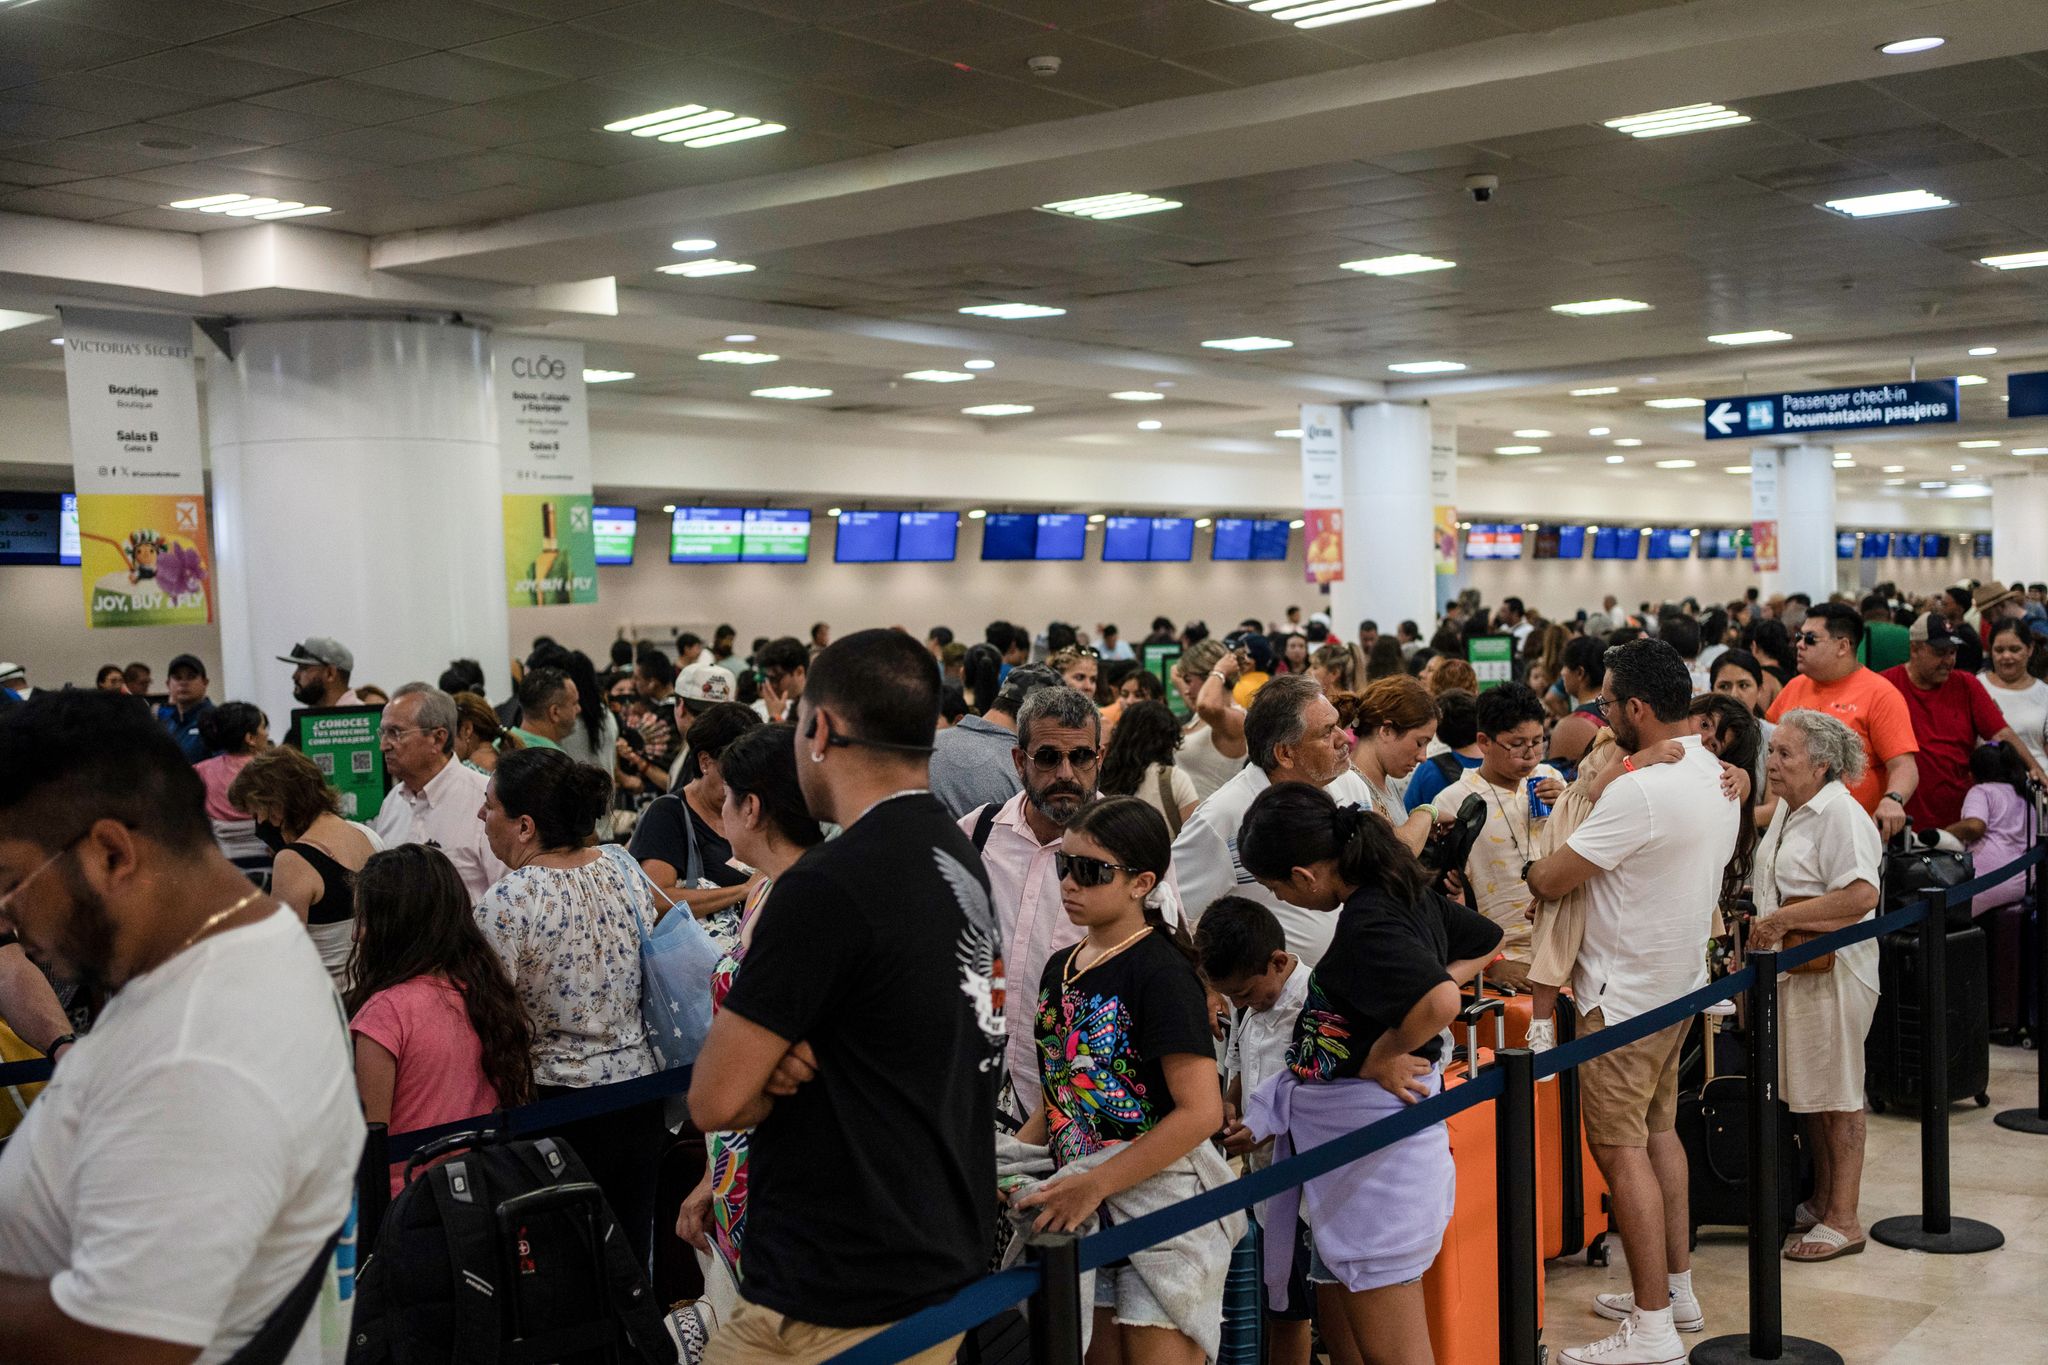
2026	395
1322	491
1913	403
544	463
134	403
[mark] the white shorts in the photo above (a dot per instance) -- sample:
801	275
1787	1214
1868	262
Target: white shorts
1823	1019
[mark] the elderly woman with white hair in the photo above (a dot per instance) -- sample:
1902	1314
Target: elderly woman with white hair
1817	870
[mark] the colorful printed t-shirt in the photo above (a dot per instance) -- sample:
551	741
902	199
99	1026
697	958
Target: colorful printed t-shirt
1386	955
1102	1038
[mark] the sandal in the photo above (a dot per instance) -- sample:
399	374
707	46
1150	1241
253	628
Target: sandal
1831	1243
1804	1219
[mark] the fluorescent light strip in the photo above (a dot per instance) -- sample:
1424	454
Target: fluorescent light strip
1289	434
703	118
1518	450
1905	47
1674	402
2021	260
606	376
793	392
1687	118
1107	206
1979	445
1601	391
726	125
1677	464
2029	450
1883	205
704	269
1532	434
1427	367
1139	395
1012	312
742	135
740	357
262	207
1352	11
696	125
1593	308
627	125
1248	344
1150	425
999	410
1755	338
1965	381
1408	264
940	376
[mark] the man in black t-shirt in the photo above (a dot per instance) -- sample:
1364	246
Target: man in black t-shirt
862	1038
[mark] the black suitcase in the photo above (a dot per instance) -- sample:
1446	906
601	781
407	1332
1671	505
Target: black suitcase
1713	1123
1893	1054
2009	947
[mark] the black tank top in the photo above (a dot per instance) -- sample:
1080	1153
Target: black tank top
337	886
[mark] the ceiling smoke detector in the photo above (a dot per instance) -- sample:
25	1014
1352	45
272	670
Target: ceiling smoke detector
1044	66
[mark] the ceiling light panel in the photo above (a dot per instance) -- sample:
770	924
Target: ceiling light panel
999	410
1601	391
696	125
940	376
739	357
1593	308
1323	13
11	318
1012	312
1965	381
1139	396
1884	205
1248	344
1686	118
1906	47
1409	264
1674	402
792	392
1756	338
1531	434
1427	367
261	207
2021	260
1518	450
606	376
1676	464
705	269
1102	207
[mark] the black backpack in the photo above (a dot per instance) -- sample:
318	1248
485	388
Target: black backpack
506	1254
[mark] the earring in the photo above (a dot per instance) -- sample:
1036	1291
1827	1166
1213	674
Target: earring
817	756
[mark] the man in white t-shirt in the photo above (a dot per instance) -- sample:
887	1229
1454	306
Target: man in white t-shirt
1650	857
1292	734
197	1149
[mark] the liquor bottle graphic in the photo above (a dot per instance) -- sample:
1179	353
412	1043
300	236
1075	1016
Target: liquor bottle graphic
550	572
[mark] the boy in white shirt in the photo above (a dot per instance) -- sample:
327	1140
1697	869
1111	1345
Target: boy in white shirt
1245	960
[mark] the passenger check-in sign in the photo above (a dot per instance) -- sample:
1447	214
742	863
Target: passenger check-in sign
1911	403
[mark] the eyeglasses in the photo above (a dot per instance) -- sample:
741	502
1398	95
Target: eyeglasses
1519	746
7	901
1084	871
1048	759
394	732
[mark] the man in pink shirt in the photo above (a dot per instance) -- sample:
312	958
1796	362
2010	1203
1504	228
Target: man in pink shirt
1058	753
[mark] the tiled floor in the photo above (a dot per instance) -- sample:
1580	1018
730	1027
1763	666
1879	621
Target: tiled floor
1888	1307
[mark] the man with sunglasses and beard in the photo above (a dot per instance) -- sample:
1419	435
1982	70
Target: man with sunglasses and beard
1058	757
1831	680
195	1154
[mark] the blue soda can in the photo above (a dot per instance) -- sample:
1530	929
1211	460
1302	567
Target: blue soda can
1538	807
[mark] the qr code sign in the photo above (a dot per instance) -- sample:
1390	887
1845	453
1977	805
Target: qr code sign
325	762
359	762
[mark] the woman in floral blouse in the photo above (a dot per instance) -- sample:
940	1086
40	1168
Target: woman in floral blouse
563	921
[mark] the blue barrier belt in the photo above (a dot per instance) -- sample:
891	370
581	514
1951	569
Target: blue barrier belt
1912	914
26	1073
966	1310
551	1113
1956	895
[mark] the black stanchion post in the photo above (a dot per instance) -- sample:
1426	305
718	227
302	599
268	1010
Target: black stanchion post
2035	1120
1765	1339
1055	1310
1571	1168
1514	1174
1935	1230
373	1188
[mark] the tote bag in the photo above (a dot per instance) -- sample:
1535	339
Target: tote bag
676	961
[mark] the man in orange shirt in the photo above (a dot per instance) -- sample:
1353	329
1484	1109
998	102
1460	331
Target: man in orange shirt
1831	681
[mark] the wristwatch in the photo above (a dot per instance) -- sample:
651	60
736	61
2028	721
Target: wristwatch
1894	796
50	1050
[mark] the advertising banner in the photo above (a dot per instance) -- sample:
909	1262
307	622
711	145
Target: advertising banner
1322	491
1763	509
144	550
544	457
1443	495
342	742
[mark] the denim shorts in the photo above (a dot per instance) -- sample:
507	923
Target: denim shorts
1123	1292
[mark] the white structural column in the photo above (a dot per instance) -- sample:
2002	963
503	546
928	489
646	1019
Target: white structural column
1806	519
2019	527
355	493
1389	541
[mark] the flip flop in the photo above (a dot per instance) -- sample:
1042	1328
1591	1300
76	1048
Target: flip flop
1833	1243
1804	1218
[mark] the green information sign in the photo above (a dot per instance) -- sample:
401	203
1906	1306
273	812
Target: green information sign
1492	658
342	742
1159	661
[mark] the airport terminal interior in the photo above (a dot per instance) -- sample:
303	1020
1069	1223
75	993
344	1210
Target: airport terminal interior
366	337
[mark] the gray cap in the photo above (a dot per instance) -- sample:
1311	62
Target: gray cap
318	649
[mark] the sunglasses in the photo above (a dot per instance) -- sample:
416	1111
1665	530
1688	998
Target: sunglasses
1809	639
1048	759
1084	871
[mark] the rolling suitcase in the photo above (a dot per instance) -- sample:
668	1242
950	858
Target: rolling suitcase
1713	1123
1893	1053
2008	938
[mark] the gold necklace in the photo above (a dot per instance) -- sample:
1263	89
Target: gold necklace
1074	970
213	920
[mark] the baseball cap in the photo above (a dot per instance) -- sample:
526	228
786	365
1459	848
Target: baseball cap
318	649
8	671
191	661
1022	682
1931	630
704	685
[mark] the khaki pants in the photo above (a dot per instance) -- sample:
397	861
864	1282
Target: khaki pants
762	1336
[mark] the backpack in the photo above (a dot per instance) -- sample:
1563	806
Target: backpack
504	1253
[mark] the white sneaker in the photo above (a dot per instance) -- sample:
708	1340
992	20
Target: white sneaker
1542	1035
1632	1345
1685	1310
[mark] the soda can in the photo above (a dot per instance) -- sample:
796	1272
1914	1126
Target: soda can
1538	807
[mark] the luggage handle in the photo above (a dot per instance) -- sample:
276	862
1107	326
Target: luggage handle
442	1146
1470	1016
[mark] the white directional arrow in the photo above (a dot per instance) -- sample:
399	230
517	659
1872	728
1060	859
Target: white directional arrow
1723	417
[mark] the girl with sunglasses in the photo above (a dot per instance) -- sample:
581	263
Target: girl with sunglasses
1366	1045
1130	1090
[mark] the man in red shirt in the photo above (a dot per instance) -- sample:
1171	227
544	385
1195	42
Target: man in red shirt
1952	714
